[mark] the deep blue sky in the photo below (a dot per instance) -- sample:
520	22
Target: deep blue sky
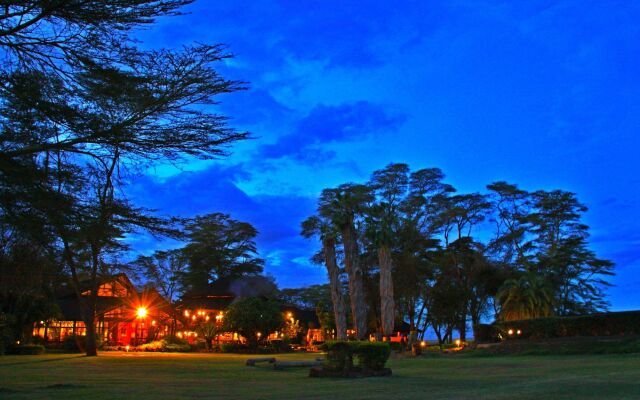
545	94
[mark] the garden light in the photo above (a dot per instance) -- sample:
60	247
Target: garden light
510	331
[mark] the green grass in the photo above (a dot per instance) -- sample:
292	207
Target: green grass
200	376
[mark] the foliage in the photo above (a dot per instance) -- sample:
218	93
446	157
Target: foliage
78	343
485	333
530	296
25	349
82	110
252	316
219	247
605	324
208	331
339	355
371	355
291	328
166	345
163	271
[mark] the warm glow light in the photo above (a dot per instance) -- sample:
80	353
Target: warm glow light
186	313
510	331
519	332
141	312
207	318
193	318
258	334
127	347
289	315
153	323
423	344
458	342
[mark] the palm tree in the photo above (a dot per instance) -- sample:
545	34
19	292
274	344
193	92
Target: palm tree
529	296
340	206
317	226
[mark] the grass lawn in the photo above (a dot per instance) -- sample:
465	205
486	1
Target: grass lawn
174	376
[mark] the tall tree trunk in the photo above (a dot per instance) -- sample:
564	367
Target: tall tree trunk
339	312
387	305
356	284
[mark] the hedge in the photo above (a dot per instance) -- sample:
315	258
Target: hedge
604	324
25	349
371	355
166	345
485	333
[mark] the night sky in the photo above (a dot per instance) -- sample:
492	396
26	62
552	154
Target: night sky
545	94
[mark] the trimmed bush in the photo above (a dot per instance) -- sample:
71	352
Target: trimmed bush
605	324
373	355
339	355
25	349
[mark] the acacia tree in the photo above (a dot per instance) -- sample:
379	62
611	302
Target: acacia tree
80	110
219	247
561	252
316	226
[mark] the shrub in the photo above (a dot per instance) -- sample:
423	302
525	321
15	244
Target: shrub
234	348
25	349
605	324
166	345
280	346
397	346
339	355
373	355
485	333
77	343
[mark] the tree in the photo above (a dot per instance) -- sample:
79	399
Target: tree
83	108
219	247
390	185
254	318
526	297
208	330
316	226
27	284
163	270
58	35
341	206
562	253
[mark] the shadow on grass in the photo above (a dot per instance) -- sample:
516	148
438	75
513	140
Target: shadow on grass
43	360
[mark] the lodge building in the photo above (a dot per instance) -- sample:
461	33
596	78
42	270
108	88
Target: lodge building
127	317
124	316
